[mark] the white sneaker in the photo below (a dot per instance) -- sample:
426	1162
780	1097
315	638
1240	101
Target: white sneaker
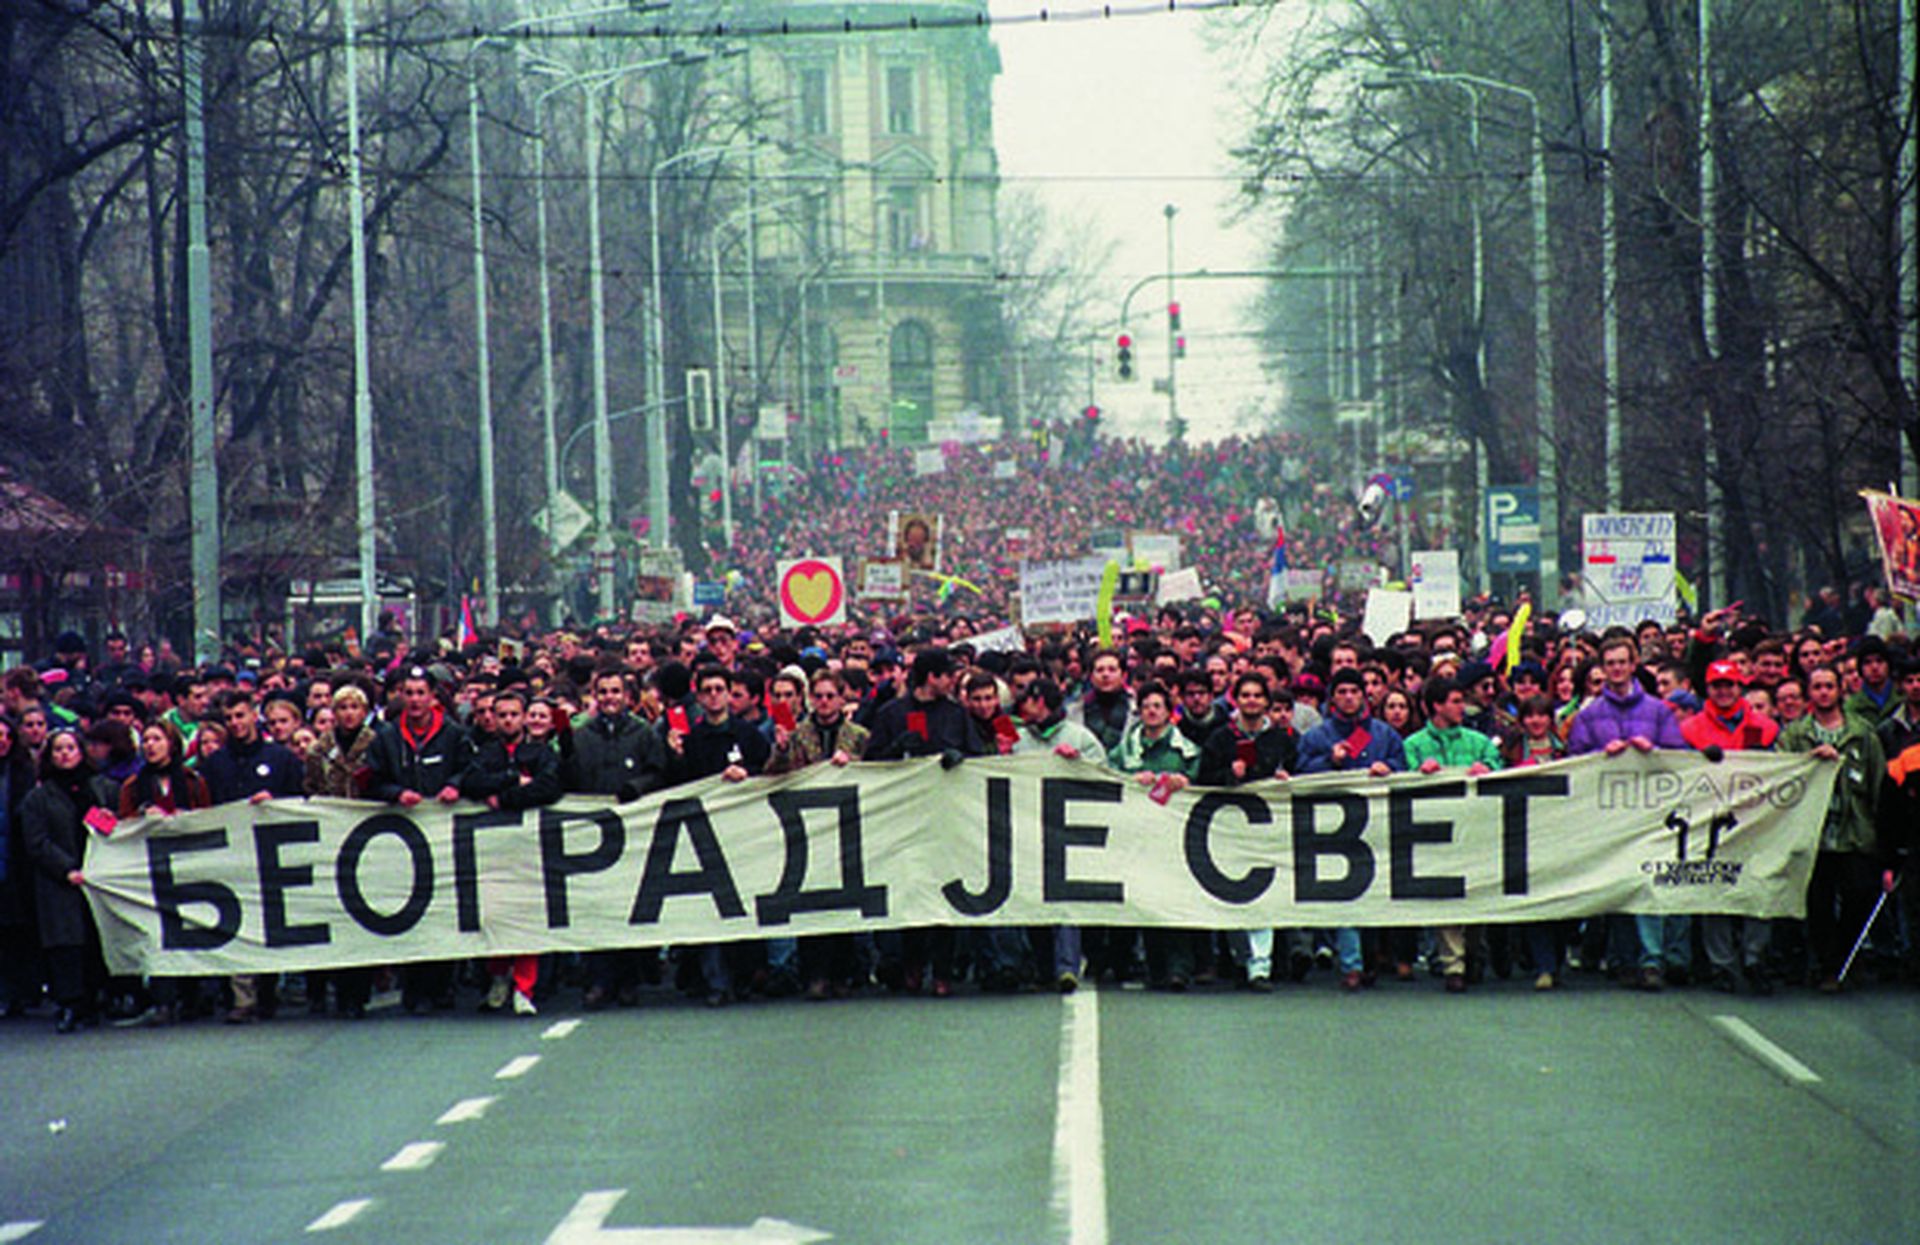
496	995
523	1006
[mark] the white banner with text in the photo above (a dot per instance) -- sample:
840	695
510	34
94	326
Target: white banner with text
1029	840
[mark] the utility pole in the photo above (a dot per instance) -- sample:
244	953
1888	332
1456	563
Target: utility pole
1173	394
1709	314
1906	316
362	381
1609	270
205	489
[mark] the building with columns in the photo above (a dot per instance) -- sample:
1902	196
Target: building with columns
874	223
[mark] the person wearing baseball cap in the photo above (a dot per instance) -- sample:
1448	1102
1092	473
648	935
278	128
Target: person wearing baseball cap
1736	946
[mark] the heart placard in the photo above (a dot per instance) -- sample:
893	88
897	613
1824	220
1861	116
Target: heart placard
813	592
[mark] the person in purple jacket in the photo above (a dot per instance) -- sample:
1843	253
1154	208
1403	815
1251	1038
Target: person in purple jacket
1624	715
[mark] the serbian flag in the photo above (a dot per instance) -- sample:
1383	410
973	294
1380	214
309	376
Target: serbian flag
1277	566
468	634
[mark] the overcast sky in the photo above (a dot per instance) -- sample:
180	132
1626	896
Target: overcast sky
1110	121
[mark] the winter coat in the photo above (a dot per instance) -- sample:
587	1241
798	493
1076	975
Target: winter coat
892	741
425	765
185	790
241	771
1610	716
1383	744
619	756
342	769
56	842
1456	747
1061	730
16	870
1275	748
1746	729
1856	792
496	770
807	745
1172	753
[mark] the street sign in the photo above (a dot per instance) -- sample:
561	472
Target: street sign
1512	526
566	523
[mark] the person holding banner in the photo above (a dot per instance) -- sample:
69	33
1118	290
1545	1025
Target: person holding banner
339	765
1624	715
252	768
1045	727
716	745
512	772
826	736
1249	747
54	821
1164	761
1845	873
1446	742
1352	739
1726	723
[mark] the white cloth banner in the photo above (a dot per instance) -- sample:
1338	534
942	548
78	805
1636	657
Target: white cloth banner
1027	840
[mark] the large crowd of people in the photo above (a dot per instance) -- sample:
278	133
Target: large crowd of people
1060	495
1184	695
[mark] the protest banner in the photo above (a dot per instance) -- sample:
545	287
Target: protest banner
1896	522
1155	550
1628	568
1180	585
1303	583
1000	640
930	461
1434	577
1388	613
290	885
813	592
1060	592
883	580
1017	538
1006	469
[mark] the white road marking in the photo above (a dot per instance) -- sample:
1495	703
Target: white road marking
585	1224
1079	1143
559	1029
1776	1058
466	1110
518	1066
340	1216
20	1229
413	1156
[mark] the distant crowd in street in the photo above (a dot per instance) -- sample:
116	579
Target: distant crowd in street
1181	695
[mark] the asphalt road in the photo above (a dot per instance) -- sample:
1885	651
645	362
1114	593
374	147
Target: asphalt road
1591	1114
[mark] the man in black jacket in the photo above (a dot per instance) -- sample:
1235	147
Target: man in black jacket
717	744
615	754
511	771
252	768
1247	748
420	756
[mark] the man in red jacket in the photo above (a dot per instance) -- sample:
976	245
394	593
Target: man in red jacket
1727	723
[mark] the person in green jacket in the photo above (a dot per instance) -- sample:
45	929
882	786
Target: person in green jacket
1163	760
1444	743
1845	873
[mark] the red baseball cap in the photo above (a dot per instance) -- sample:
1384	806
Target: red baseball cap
1725	672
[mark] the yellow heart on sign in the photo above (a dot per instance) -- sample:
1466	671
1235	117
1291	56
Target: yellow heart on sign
811	592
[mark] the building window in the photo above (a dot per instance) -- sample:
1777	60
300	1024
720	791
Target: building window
815	119
910	356
902	211
900	100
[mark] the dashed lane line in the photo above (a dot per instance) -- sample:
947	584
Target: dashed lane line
466	1110
342	1214
20	1229
413	1156
559	1029
1766	1051
516	1067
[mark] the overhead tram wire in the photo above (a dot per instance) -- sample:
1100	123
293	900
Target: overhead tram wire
785	28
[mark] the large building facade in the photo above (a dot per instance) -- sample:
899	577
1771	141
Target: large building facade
877	233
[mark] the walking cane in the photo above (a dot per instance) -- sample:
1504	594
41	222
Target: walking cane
1887	883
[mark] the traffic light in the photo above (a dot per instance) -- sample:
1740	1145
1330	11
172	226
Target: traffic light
1173	327
1173	316
1123	354
1092	414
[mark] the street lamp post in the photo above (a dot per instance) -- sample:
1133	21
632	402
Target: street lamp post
590	85
1547	471
362	379
659	514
